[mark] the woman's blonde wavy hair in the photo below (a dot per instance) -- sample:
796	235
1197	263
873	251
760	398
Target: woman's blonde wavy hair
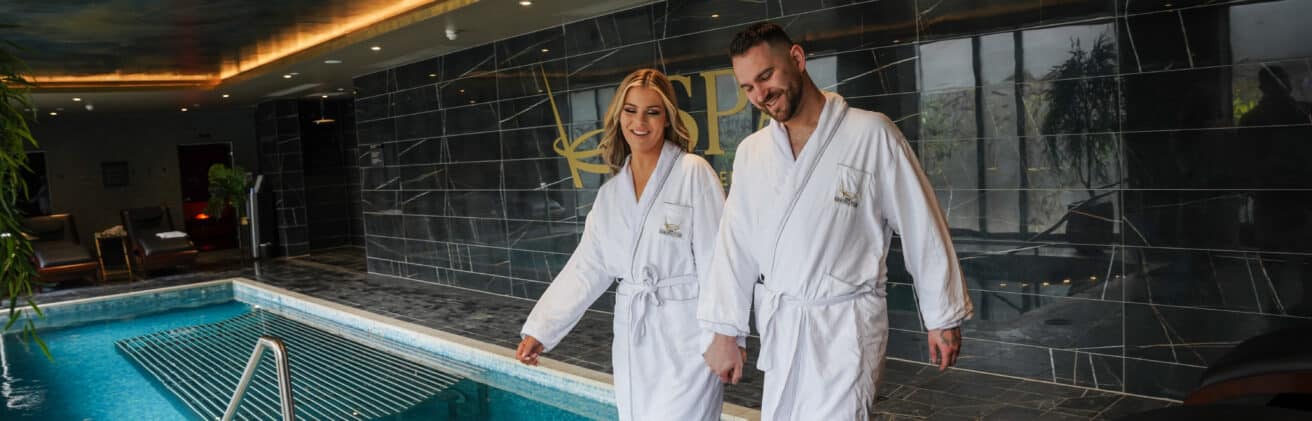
613	147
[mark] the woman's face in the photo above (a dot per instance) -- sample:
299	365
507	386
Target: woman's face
643	119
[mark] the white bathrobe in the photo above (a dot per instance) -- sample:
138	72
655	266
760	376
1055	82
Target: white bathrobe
806	240
658	249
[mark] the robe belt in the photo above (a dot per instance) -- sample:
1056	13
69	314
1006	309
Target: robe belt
768	302
646	292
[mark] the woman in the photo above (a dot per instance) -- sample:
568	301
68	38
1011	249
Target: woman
651	229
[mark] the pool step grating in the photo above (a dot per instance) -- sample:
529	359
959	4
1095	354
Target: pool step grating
332	377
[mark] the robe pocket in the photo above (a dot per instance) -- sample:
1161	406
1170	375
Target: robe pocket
851	187
675	222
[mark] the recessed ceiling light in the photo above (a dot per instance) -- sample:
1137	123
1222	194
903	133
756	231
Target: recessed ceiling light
715	16
77	99
226	95
546	50
54	113
183	109
525	3
432	75
323	96
332	61
340	89
288	76
376	48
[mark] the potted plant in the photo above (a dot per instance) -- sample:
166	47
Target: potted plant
16	269
228	188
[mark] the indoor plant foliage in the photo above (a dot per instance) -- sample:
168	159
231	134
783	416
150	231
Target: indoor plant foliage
227	187
16	269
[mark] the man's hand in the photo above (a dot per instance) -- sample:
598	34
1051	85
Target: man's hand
725	358
944	345
529	350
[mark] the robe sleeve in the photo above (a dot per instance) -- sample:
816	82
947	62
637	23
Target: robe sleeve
708	206
726	295
577	286
908	203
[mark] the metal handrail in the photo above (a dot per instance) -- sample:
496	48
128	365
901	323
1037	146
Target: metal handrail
284	377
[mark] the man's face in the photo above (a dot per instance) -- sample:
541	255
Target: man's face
772	78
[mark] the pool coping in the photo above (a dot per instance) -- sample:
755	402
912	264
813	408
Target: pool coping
502	356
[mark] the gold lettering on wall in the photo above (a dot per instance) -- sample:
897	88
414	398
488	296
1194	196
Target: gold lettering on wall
579	160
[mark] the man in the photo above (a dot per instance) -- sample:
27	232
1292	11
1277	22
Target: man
816	198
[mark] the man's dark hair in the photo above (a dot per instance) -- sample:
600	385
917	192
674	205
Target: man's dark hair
758	33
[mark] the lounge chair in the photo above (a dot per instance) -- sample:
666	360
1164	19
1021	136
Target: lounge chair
154	241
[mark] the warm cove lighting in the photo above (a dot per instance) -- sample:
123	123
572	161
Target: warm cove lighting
127	80
277	47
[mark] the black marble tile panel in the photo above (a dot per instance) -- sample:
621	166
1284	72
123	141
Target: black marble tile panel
544	205
474	176
377	131
697	52
428	202
868	72
476	147
380	201
416	152
424	177
866	25
1167	380
381	178
471	90
534	111
415	100
610	31
609	67
1239	159
534	47
1267	220
532	80
385	225
373	108
529	143
686	16
480	204
419	126
471	119
421	73
374	83
537	173
385	247
557	237
468	62
537	266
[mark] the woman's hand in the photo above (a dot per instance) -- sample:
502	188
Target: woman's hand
529	350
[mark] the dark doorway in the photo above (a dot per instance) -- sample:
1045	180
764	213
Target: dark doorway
37	201
209	232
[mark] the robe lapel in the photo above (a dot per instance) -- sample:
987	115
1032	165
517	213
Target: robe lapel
794	180
670	154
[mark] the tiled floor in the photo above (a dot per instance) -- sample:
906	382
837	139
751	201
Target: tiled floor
910	391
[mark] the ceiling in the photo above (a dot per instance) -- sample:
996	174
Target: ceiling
157	55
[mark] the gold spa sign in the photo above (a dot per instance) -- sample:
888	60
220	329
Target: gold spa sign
586	160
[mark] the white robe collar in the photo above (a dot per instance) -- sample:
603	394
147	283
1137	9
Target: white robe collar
634	211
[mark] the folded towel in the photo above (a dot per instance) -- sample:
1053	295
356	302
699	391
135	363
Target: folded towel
171	234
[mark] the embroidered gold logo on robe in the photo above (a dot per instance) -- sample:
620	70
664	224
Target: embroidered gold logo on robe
671	230
846	197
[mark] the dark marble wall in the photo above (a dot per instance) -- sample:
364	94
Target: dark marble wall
312	172
278	126
332	175
1123	179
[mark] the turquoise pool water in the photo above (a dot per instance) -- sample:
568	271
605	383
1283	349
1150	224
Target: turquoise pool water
90	379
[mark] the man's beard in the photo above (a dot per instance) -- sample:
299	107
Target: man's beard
793	99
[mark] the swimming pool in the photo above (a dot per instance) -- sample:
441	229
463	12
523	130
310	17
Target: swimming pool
92	378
